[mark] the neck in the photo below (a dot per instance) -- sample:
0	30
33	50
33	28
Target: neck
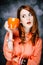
27	30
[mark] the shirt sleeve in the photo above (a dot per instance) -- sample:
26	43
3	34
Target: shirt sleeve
36	57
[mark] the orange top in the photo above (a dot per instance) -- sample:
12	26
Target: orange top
33	53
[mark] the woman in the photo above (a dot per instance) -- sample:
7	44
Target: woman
27	43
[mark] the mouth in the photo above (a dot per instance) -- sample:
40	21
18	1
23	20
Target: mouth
28	22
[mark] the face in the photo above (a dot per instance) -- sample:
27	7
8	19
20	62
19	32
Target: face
26	18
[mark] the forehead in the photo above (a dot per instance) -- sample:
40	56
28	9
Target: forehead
24	11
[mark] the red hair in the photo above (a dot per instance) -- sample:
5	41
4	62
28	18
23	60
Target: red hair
34	29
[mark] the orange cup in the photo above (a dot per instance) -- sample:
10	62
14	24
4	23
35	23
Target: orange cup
13	22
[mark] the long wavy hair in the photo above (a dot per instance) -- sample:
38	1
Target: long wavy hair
34	29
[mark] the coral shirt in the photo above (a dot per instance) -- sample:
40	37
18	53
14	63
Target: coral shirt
33	53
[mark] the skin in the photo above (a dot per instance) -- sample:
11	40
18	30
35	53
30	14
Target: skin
25	50
25	17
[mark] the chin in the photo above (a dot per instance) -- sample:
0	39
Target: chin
29	26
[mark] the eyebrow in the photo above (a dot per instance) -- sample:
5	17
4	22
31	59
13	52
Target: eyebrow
29	13
23	14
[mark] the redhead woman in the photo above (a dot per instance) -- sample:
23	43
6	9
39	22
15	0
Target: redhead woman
27	45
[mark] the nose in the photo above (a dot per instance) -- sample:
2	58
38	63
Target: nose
28	18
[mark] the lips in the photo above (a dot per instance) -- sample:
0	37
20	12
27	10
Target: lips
28	22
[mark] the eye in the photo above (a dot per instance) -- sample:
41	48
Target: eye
24	16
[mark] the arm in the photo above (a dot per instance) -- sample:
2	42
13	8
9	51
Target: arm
10	43
36	57
7	53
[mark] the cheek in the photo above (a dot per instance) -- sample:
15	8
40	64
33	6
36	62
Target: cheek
31	19
22	20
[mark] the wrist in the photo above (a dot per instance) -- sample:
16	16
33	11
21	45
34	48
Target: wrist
10	40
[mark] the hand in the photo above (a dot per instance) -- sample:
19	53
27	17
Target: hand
7	27
24	61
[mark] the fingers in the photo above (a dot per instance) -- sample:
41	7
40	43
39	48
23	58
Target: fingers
6	26
15	59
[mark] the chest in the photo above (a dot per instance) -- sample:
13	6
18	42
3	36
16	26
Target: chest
24	49
28	50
